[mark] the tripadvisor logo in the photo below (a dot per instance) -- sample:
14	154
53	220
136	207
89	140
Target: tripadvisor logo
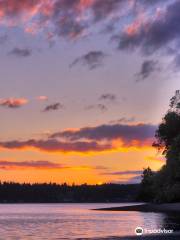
139	231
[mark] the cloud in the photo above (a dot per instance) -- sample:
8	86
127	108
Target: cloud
98	106
42	98
124	180
147	68
53	145
150	2
108	96
92	59
12	8
69	19
13	102
74	19
89	139
53	107
126	177
42	165
129	172
13	165
154	33
102	9
127	133
20	52
123	120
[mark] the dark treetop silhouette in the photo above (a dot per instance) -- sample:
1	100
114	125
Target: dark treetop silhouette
164	185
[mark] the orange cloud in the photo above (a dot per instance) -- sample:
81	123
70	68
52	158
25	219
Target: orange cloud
133	28
48	145
42	98
13	102
101	138
80	147
43	165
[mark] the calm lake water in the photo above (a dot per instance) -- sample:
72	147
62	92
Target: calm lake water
73	221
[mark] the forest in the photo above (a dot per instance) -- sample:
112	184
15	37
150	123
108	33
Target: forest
55	193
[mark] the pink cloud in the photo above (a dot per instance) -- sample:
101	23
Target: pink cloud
13	102
42	98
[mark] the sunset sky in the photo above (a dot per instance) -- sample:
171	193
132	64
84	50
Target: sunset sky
84	85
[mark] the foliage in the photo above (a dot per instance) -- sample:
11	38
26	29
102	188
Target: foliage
164	186
146	191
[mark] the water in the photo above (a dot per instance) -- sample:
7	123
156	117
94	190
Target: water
73	221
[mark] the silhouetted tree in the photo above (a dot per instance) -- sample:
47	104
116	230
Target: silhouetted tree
147	188
165	184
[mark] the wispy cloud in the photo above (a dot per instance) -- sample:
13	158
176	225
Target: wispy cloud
108	96
42	98
64	18
20	52
101	107
13	102
128	172
53	145
148	67
156	32
43	165
53	107
40	164
92	59
153	30
123	120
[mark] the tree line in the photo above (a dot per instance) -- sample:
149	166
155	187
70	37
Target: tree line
11	192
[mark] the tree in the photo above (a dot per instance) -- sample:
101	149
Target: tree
147	185
164	186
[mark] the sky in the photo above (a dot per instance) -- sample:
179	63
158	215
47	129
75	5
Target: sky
84	85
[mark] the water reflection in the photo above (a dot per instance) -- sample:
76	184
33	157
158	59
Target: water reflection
171	221
73	221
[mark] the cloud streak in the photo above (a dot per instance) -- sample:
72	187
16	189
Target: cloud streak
13	102
42	165
42	98
129	172
20	52
123	120
108	96
89	139
53	107
147	69
99	106
53	145
92	59
16	165
127	133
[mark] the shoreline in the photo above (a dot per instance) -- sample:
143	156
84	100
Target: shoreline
147	207
173	236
